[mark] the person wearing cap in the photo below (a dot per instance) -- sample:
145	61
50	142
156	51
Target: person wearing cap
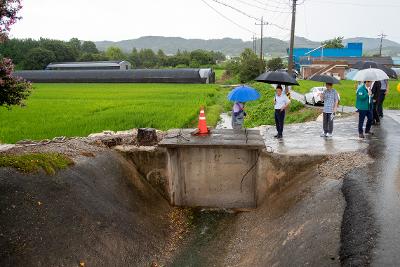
363	104
281	103
331	103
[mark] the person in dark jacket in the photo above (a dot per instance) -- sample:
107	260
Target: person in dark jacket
376	90
363	104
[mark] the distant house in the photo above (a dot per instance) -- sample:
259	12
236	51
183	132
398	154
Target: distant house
329	67
91	65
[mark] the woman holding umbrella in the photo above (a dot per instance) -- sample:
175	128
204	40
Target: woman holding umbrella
240	95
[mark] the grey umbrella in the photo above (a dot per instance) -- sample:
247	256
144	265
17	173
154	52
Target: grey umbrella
362	65
277	77
325	79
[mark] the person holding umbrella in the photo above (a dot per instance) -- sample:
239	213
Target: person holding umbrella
363	104
331	102
240	95
281	102
364	97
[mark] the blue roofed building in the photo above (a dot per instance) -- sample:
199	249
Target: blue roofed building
304	56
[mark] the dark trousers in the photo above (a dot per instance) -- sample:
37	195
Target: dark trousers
327	123
380	102
279	120
375	114
362	114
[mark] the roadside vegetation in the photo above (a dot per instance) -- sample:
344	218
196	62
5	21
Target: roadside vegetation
346	89
80	109
29	163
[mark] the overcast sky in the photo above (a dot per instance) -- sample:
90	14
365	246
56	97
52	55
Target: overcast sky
126	19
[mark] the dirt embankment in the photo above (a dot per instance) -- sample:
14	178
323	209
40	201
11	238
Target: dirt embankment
93	213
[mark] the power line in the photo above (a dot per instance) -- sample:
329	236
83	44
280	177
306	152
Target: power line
356	4
263	8
247	15
225	17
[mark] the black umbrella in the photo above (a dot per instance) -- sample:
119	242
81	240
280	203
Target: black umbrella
362	65
325	79
277	77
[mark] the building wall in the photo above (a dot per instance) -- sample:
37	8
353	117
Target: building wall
307	71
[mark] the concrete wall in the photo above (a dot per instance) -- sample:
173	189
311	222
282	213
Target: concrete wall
212	177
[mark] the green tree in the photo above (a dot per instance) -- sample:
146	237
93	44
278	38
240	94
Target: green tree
115	53
148	58
76	46
275	64
250	66
134	58
161	58
334	43
89	47
62	51
38	58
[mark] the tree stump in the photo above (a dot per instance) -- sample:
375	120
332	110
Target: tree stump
147	137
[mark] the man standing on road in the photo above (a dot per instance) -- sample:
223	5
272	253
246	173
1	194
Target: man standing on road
281	103
383	92
331	102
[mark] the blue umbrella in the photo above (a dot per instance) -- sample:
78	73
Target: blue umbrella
243	93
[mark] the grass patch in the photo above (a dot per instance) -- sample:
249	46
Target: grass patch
347	92
261	112
80	109
28	163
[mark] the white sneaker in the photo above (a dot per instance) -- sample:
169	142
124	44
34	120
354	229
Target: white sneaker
329	135
322	134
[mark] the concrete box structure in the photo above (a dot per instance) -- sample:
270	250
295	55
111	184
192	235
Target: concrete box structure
218	170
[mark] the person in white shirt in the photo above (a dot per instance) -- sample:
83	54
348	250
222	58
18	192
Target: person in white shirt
281	103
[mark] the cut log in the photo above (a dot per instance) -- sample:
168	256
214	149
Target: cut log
147	137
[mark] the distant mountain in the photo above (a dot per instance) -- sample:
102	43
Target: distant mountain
371	43
234	47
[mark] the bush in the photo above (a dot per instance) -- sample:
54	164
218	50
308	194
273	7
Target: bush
13	90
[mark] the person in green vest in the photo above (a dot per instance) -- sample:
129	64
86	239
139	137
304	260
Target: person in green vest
363	104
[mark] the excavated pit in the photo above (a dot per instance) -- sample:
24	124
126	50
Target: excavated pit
112	208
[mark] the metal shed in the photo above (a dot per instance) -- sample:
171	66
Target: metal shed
114	76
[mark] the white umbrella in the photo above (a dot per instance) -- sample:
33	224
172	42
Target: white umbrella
371	74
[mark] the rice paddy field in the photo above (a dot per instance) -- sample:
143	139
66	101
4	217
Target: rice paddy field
347	92
80	109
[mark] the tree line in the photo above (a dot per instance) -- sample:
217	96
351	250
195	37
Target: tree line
30	54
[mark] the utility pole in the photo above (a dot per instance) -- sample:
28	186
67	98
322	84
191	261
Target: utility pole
382	35
262	24
254	38
290	66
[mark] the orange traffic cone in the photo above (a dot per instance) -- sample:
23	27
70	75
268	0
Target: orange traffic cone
202	122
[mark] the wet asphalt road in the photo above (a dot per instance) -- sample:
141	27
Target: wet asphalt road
371	222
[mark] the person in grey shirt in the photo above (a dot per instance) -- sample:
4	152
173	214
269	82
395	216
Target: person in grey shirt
331	101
